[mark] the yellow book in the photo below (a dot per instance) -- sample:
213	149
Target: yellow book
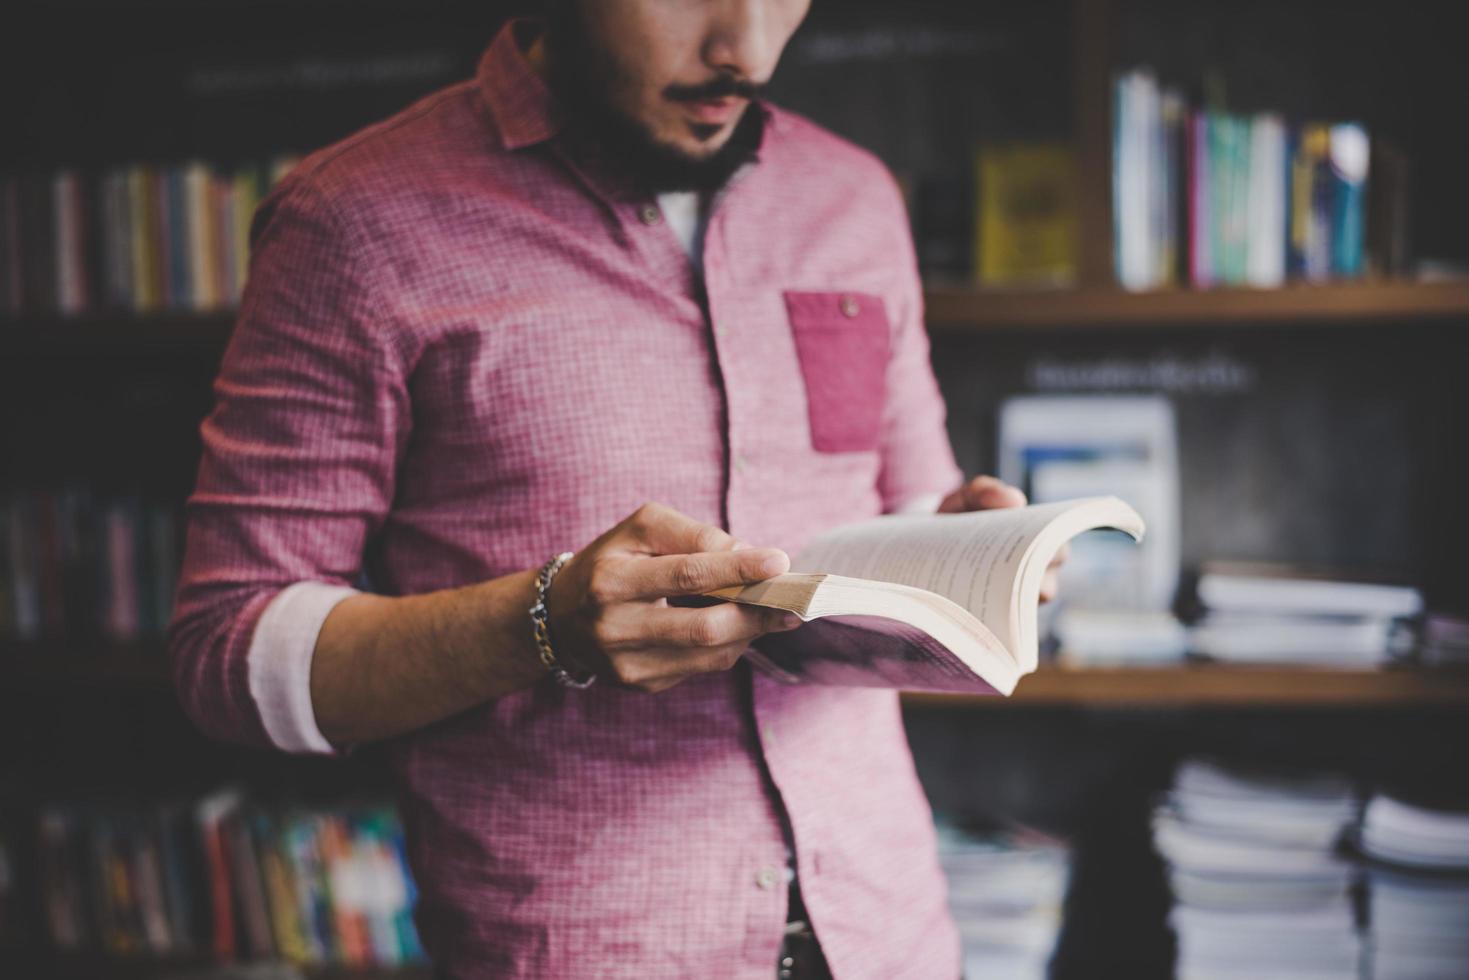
1025	232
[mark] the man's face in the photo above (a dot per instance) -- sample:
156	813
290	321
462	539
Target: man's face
682	71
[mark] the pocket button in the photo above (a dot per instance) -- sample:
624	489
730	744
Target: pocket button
849	306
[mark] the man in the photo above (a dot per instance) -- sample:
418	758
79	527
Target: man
499	326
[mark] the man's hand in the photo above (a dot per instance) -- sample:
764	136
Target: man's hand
989	493
609	611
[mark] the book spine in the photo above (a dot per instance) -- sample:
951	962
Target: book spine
66	246
94	251
1201	269
1319	219
244	201
179	897
1349	159
50	578
152	905
143	222
178	288
162	242
198	220
1266	233
24	561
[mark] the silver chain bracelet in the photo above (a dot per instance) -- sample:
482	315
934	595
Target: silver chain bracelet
538	615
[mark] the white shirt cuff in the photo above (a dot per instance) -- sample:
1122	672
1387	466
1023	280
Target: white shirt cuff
927	503
279	663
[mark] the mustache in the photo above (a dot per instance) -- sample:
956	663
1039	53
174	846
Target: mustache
720	87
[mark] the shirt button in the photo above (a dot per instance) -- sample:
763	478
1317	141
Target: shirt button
649	214
767	877
849	305
739	463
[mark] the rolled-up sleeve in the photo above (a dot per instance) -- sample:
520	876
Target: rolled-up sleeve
918	465
299	457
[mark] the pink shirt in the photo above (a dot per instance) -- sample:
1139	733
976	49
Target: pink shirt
463	349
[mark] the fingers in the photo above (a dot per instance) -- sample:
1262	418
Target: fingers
1050	585
983	493
713	626
657	529
989	493
677	575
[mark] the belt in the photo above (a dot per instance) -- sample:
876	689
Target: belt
800	954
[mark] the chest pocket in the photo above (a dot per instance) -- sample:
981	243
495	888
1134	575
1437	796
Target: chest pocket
843	345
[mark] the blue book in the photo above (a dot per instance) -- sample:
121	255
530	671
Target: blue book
1347	175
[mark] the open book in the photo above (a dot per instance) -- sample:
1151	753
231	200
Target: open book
925	602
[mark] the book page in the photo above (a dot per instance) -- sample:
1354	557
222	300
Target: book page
973	558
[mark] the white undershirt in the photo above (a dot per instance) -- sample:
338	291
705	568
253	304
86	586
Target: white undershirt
684	212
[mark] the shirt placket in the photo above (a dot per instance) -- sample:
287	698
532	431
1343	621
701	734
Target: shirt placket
735	345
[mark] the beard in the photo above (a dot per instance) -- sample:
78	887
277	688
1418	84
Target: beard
582	76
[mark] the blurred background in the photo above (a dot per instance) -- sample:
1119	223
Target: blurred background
1209	255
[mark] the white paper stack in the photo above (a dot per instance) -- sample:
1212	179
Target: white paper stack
1418	891
1258	888
1277	614
1005	892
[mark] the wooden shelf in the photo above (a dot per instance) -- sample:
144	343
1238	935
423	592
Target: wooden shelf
950	307
144	667
75	965
1209	685
960	307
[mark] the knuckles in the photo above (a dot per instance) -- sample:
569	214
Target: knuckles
692	575
604	586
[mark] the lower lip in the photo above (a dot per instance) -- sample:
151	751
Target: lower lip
715	110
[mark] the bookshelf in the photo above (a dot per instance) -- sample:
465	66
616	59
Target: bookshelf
950	307
1220	686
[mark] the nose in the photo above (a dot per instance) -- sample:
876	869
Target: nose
739	41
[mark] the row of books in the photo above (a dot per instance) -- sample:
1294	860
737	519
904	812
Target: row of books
1212	198
229	879
137	238
1263	869
77	565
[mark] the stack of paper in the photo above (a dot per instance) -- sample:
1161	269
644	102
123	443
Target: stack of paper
1005	892
1418	890
1272	614
1258	888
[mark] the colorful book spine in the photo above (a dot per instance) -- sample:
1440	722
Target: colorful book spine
75	567
1222	199
1349	156
135	238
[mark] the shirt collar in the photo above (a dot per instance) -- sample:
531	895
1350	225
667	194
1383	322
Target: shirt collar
521	103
